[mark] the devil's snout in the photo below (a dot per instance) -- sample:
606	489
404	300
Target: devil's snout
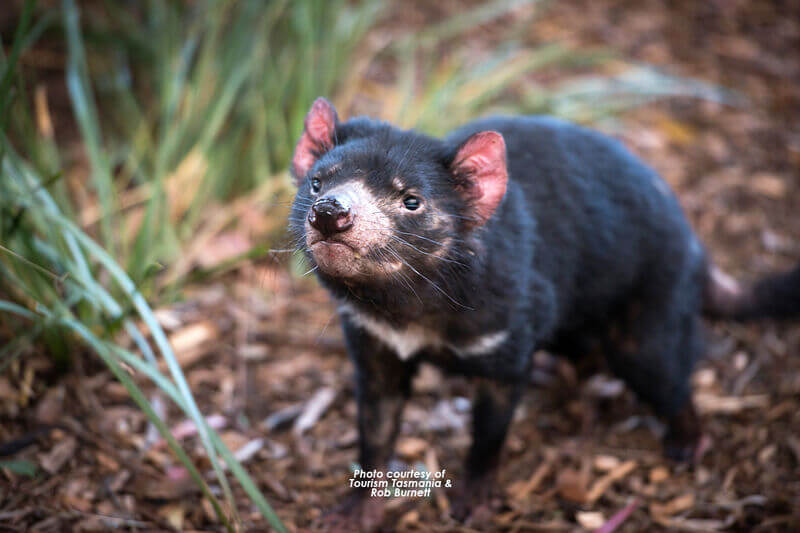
329	216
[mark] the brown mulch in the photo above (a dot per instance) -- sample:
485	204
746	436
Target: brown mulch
262	350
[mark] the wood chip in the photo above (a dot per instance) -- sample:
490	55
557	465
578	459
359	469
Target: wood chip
696	525
119	480
314	409
193	342
7	392
253	352
522	489
571	484
277	487
793	443
411	447
178	484
174	514
107	462
602	386
439	496
766	454
605	463
233	440
602	485
187	428
410	519
768	185
44	122
673	506
169	319
590	519
50	408
282	417
248	450
659	474
711	404
705	377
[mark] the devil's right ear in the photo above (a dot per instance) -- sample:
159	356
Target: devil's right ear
317	138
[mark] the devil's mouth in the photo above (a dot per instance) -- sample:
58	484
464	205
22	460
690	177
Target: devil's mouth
333	245
314	241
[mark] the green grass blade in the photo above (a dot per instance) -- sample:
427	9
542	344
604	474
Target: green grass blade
88	122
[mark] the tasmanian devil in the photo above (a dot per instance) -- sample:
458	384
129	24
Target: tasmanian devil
507	236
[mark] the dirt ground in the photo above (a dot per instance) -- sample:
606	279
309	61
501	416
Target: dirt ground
265	359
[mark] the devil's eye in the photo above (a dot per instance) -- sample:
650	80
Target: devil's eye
412	203
315	184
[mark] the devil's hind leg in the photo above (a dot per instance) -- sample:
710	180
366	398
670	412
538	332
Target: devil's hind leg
653	347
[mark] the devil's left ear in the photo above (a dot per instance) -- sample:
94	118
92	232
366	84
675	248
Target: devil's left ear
480	171
317	137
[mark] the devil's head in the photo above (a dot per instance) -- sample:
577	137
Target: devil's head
376	204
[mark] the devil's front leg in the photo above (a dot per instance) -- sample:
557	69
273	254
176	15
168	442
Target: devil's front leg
383	384
492	411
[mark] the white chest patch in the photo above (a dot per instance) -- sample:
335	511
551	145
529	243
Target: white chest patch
407	341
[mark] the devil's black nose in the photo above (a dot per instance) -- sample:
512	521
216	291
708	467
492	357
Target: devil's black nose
329	216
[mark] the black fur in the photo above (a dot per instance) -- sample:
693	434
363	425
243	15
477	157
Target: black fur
777	296
588	247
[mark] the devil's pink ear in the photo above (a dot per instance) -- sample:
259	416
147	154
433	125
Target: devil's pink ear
481	175
317	137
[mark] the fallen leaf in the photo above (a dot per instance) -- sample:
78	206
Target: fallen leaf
22	468
59	455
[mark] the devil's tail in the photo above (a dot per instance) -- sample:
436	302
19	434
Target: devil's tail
776	296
